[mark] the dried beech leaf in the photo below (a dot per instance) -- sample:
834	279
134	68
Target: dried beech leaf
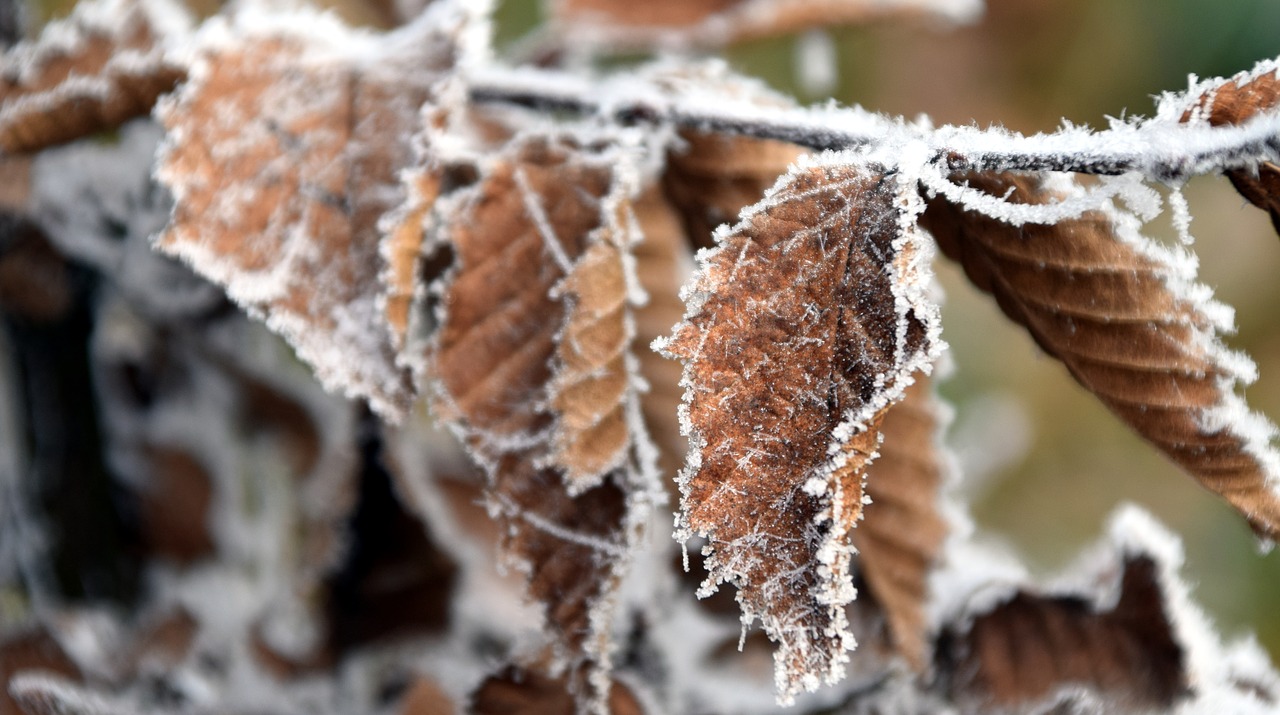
1033	648
283	154
902	530
101	66
715	176
1235	101
804	325
613	24
1124	319
518	691
663	262
525	228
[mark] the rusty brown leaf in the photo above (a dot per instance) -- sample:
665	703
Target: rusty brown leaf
1106	309
1235	101
902	529
1034	647
615	24
804	325
103	65
663	262
283	155
531	225
714	176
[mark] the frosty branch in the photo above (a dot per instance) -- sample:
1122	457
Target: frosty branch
1161	149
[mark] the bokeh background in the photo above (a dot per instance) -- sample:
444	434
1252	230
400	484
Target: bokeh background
1046	462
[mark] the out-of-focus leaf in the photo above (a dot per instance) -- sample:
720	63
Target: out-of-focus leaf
101	66
283	154
514	690
902	529
804	325
613	24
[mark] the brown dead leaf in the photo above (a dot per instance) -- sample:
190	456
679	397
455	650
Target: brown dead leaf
30	651
616	24
902	531
1106	310
714	176
513	691
522	230
284	153
1235	101
804	325
663	262
1033	647
103	65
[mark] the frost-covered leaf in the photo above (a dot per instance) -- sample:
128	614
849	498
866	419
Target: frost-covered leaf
519	236
1125	317
805	324
101	66
610	24
902	530
426	697
1236	100
283	154
1035	647
514	690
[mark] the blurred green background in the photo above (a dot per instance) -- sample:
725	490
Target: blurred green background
1053	463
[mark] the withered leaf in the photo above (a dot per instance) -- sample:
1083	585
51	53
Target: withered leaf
1113	312
902	530
804	325
616	24
1235	101
31	650
592	382
714	176
663	262
1035	647
96	69
514	690
525	228
283	153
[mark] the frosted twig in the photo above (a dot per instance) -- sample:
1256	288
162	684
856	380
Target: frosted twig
1160	149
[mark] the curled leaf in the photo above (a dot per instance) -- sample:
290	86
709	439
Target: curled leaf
1236	100
804	325
101	66
283	154
1125	641
902	531
1123	317
663	262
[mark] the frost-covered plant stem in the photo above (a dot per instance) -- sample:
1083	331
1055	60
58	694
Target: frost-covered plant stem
1161	148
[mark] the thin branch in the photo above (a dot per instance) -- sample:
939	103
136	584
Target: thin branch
1161	149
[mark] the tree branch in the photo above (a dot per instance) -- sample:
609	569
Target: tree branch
1160	148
